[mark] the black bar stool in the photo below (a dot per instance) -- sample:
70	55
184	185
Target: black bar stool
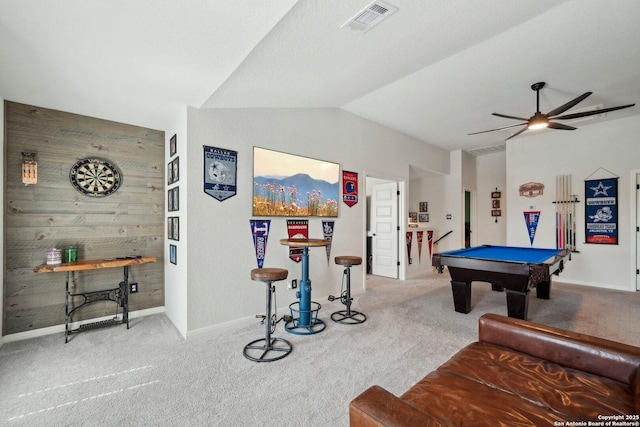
268	349
348	316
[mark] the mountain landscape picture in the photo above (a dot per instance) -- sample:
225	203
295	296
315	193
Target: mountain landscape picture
289	185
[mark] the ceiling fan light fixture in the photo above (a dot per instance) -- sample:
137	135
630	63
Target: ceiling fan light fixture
538	121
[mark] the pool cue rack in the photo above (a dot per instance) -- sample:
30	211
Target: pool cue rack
565	214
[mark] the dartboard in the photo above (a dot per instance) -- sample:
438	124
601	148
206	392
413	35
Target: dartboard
95	177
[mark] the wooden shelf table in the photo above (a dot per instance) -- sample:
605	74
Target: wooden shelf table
119	295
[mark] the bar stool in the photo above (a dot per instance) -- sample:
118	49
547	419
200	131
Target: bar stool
268	349
348	316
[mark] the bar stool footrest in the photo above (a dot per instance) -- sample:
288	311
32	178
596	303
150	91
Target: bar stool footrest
348	317
260	351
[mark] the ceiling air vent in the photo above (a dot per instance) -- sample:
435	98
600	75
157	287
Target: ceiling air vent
371	15
487	150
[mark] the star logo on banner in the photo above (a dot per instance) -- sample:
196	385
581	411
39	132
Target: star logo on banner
600	189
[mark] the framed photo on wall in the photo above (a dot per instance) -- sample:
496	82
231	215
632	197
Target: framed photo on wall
173	254
423	217
176	170
173	142
424	206
169	173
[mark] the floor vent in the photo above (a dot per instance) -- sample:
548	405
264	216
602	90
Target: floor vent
370	16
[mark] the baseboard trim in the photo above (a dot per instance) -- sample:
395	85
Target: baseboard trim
60	328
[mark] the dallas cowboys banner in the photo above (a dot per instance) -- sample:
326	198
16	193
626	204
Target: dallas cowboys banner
220	171
531	218
601	211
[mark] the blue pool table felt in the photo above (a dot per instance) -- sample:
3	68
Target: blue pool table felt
506	253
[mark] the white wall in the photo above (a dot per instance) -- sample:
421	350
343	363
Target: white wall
491	175
175	275
221	252
611	145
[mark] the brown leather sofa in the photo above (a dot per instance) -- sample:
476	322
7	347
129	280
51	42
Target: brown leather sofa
517	374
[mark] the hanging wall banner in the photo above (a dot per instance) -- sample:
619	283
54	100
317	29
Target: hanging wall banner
220	171
349	188
531	218
297	229
260	232
430	242
601	211
327	232
419	237
409	239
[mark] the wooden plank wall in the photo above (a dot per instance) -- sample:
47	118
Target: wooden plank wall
53	213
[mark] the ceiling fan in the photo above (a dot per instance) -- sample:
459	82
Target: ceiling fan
540	120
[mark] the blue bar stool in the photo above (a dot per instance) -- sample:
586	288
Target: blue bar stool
268	349
348	316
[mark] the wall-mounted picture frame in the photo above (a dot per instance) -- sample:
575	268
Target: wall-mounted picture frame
289	185
173	254
173	199
496	212
495	203
173	145
413	216
169	173
173	228
496	194
424	207
423	217
176	169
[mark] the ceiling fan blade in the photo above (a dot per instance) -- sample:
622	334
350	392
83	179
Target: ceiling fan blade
493	130
568	105
591	113
509	117
560	126
517	133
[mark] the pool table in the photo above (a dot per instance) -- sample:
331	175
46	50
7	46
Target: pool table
513	269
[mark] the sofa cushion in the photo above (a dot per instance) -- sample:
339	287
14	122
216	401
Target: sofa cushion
486	384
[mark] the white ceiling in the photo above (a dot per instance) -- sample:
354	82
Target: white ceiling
435	70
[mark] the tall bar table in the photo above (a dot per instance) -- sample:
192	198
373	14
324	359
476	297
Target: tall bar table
306	323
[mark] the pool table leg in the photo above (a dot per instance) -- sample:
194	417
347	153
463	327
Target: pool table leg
517	304
461	296
543	289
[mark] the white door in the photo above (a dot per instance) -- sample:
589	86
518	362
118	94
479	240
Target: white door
384	225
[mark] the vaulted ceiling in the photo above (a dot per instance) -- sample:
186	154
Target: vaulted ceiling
435	69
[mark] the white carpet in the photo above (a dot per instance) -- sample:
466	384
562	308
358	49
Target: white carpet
149	376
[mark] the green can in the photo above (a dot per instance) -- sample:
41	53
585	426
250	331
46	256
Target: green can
70	254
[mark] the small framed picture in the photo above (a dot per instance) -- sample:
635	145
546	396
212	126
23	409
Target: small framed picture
495	203
496	194
173	254
173	149
496	212
170	200
176	170
424	207
413	216
170	228
169	173
176	228
174	199
423	217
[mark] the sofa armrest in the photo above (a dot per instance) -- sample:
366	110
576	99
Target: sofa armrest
571	349
377	407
